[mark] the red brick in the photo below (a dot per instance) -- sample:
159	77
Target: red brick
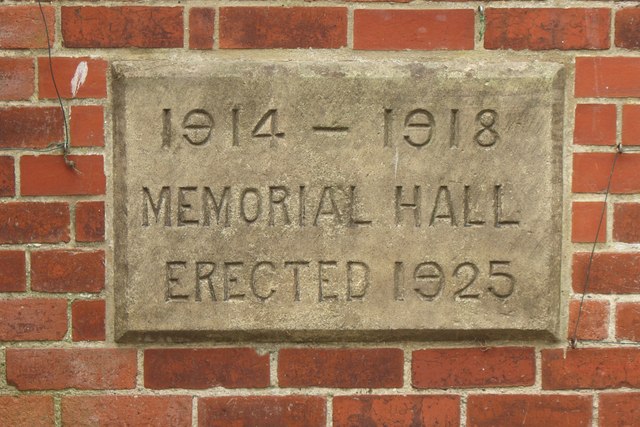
23	28
630	124
626	222
32	319
16	78
94	86
90	221
87	126
413	29
201	24
7	177
87	320
283	27
122	26
285	411
594	320
611	273
12	271
88	411
32	411
83	369
473	367
32	222
51	176
205	368
340	368
396	411
619	410
628	321
31	127
67	271
585	219
591	173
628	28
610	77
590	368
528	410
595	124
548	28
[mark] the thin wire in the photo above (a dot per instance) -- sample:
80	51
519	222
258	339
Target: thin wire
574	339
65	144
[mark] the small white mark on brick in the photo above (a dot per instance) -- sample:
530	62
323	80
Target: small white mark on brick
79	77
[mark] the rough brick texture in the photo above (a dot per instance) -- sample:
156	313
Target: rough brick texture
586	222
591	173
50	176
67	271
34	222
628	321
595	124
630	124
341	368
31	127
607	77
16	78
278	27
32	411
205	368
84	369
12	271
626	222
435	410
122	26
473	367
611	273
7	177
307	411
548	28
528	410
90	221
619	410
590	368
594	320
88	411
87	126
201	26
95	82
413	29
22	27
32	319
87	320
628	28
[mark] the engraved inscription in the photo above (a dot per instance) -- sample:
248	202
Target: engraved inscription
332	200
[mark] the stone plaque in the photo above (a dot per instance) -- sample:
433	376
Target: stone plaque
358	200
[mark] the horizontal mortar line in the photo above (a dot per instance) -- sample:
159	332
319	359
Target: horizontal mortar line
283	392
121	54
618	247
57	198
407	348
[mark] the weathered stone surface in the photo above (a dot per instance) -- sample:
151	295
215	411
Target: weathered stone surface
337	200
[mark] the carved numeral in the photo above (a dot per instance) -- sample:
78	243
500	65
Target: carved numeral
487	136
469	277
267	127
505	280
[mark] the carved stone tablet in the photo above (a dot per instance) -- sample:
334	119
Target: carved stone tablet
355	200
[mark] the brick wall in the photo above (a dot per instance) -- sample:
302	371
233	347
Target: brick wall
59	364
